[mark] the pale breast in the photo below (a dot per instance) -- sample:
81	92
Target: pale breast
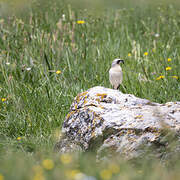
115	75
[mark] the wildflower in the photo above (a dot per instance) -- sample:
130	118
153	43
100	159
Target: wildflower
48	164
129	54
80	22
168	68
1	177
58	72
169	59
71	174
66	158
18	138
64	17
175	77
28	69
146	53
3	99
114	168
106	174
160	77
38	176
156	35
7	63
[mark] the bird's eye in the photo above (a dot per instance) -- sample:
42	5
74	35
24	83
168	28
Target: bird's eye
120	61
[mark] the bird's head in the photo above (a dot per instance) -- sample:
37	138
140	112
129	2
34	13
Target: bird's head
117	61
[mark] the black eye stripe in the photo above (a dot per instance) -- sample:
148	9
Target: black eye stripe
119	61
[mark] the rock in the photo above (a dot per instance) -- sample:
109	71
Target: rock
107	121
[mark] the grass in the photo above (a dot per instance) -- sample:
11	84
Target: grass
38	39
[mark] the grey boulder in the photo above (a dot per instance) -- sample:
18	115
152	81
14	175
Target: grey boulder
109	122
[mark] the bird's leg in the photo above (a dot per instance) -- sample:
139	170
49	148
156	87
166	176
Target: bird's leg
118	86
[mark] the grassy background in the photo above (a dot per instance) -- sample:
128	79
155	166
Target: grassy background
39	37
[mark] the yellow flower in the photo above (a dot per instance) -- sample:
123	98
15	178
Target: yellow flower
168	68
48	164
18	138
38	176
129	54
175	77
114	168
169	59
80	22
38	170
66	158
58	72
3	99
106	174
1	177
160	77
71	174
146	53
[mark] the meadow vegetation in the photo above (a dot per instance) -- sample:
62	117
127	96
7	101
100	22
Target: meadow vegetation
52	50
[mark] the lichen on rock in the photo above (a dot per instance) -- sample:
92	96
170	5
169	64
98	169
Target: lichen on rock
106	120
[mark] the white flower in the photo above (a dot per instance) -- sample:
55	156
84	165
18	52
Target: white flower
28	69
64	17
156	35
7	63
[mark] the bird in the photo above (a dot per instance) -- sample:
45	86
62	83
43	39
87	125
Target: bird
116	74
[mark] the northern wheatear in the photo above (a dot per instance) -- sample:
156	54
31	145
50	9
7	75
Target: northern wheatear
116	74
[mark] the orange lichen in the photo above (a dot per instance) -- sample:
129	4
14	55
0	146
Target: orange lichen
83	93
77	98
138	116
98	100
69	114
75	106
80	96
101	107
104	95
